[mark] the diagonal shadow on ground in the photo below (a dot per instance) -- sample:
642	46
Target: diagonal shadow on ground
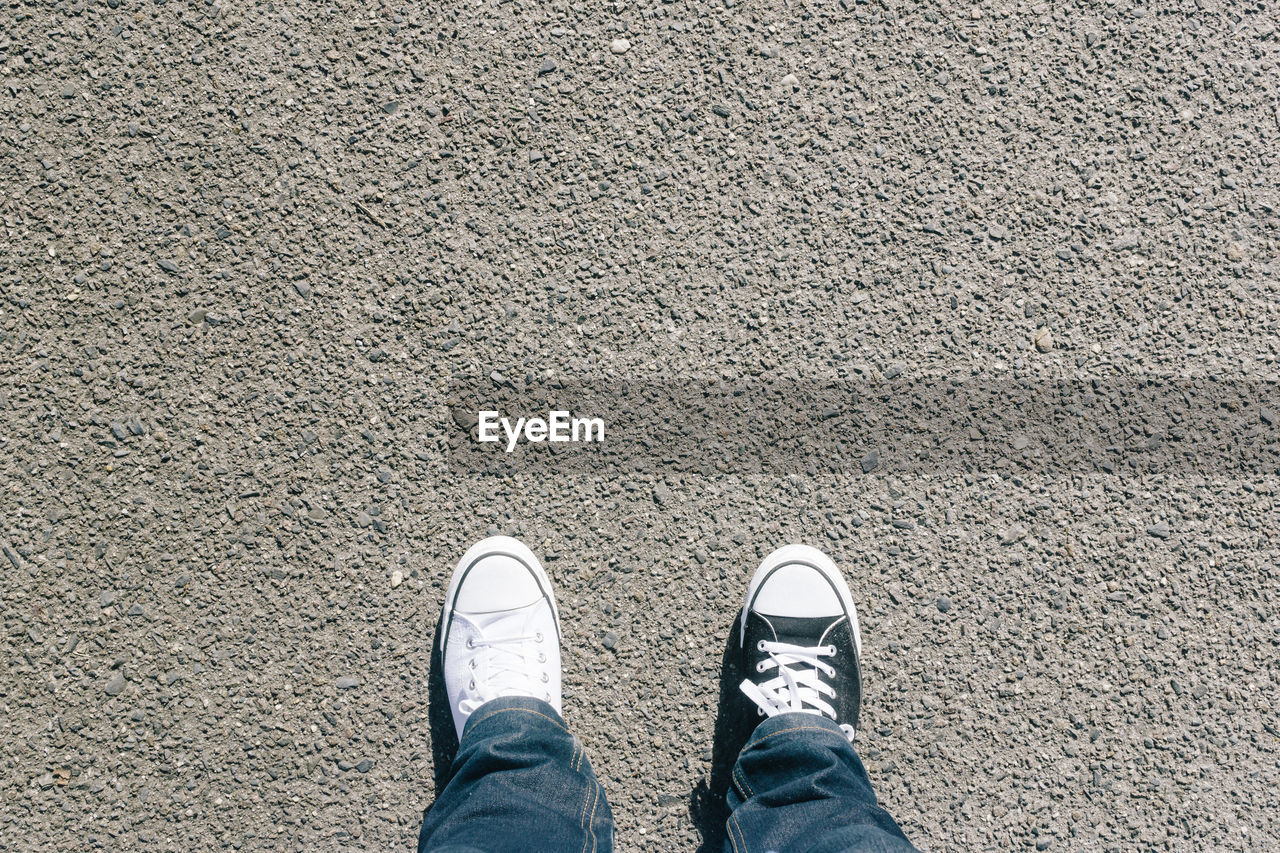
708	808
444	738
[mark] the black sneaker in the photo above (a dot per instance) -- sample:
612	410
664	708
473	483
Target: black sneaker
799	639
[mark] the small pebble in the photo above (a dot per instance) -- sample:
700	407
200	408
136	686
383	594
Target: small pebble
619	46
347	682
397	578
1044	340
944	604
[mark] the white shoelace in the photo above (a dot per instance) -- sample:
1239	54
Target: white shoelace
507	670
798	687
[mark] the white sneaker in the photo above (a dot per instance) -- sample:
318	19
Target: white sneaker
502	630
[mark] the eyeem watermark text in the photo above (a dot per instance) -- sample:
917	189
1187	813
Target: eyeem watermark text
558	426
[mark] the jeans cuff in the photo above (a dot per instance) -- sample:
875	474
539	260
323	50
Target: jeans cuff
491	713
798	723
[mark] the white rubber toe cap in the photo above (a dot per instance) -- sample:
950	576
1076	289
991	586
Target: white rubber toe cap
800	581
797	580
498	573
495	575
496	582
797	589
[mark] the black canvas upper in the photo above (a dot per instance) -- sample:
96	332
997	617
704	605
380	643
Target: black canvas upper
808	632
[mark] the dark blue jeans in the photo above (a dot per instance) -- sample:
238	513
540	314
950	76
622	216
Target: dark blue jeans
521	782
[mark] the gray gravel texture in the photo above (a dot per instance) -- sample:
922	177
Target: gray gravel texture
247	245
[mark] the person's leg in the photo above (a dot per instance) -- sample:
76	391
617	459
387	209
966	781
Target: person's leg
798	784
520	781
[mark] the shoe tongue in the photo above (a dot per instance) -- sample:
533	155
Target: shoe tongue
800	630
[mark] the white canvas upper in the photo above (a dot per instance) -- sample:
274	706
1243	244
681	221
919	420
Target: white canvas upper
502	631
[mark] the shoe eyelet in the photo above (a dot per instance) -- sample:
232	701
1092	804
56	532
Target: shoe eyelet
760	667
545	678
538	636
542	658
472	663
471	643
831	650
760	645
473	684
759	712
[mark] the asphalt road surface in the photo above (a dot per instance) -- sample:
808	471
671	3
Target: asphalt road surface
256	256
